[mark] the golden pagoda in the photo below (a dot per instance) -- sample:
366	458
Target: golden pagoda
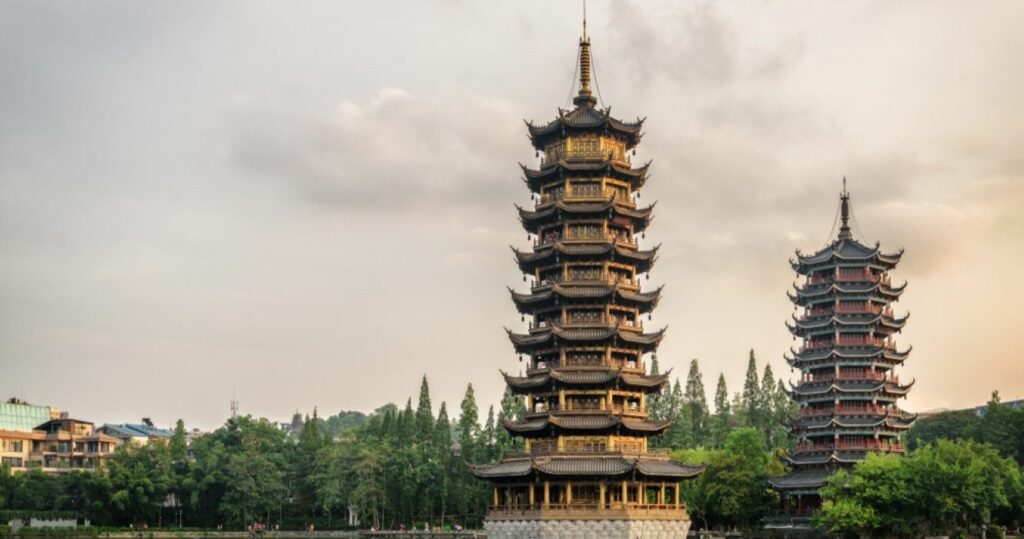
587	468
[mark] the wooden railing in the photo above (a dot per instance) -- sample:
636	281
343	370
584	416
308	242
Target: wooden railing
869	409
849	277
849	341
852	376
867	445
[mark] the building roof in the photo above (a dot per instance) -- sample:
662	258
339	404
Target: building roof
563	294
807	478
840	386
585	118
557	170
845	252
21	416
599	249
586	422
136	430
524	343
638	218
609	464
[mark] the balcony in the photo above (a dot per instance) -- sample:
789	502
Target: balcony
846	276
866	445
850	342
844	409
588	511
851	376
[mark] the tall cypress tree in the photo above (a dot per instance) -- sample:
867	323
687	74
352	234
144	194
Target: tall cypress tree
721	422
767	399
424	413
469	426
696	403
406	424
750	400
488	437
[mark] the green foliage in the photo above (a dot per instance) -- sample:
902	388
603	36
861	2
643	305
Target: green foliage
733	490
940	488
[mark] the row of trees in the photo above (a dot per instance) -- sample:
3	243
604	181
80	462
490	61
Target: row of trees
763	405
406	465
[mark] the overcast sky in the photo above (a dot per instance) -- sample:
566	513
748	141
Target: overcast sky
311	203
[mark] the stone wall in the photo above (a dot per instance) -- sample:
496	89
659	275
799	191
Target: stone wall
587	529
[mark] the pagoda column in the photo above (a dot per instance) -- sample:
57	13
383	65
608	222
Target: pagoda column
600	496
568	493
531	495
547	494
496	502
625	492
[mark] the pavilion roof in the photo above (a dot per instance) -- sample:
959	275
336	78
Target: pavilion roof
845	252
585	119
643	260
640	216
525	342
585	377
587	465
556	170
527	302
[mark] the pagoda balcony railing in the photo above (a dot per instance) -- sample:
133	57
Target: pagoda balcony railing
617	196
599	362
849	341
866	445
631	509
551	449
855	376
844	409
848	277
847	309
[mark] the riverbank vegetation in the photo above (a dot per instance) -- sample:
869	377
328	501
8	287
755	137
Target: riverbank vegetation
406	466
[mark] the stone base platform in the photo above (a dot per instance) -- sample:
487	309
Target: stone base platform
587	529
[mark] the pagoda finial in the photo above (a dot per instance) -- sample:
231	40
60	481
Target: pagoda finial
844	214
585	96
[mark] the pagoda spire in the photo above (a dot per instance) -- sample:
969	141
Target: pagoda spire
585	97
844	214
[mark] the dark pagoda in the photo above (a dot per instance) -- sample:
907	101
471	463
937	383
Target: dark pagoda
848	386
586	466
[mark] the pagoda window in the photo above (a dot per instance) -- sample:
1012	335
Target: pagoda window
585	232
585	317
550	235
585	273
583	403
584	359
586	189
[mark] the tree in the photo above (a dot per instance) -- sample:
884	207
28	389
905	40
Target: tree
655	401
424	413
733	490
512	408
750	401
721	422
140	478
469	426
937	489
696	401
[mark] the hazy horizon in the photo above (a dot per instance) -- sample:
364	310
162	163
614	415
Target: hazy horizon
311	203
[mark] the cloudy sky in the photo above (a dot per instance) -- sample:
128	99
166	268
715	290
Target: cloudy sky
311	203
